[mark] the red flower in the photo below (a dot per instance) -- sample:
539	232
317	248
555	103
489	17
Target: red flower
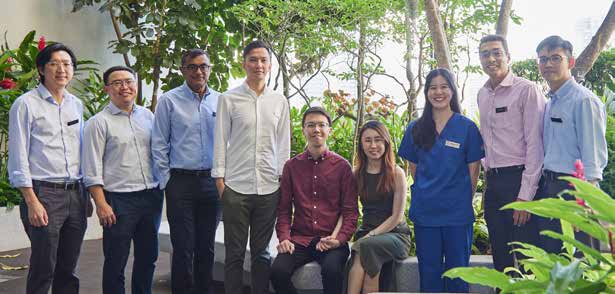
7	84
9	61
41	43
579	170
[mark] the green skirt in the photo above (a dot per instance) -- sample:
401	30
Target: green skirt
377	250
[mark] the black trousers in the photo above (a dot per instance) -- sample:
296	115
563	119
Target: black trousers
193	211
550	186
56	247
503	188
138	220
331	262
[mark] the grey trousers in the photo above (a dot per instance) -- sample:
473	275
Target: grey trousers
56	247
242	214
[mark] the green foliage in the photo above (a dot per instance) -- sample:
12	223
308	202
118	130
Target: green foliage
608	182
158	31
594	213
91	91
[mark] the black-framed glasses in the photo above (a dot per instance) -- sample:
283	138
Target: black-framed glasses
555	59
194	67
120	83
496	53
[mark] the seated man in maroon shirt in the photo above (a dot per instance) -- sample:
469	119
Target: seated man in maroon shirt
319	185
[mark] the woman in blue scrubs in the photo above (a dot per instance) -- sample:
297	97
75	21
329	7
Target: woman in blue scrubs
444	149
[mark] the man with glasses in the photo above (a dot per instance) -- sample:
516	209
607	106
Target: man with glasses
45	126
117	169
574	128
252	144
182	149
511	110
317	186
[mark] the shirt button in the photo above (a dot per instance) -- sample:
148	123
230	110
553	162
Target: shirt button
315	221
314	206
314	193
315	177
316	162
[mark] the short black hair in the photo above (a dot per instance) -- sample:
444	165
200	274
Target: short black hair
255	45
318	110
192	53
44	56
112	69
494	38
553	42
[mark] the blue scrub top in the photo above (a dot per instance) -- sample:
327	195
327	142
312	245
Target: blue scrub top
442	189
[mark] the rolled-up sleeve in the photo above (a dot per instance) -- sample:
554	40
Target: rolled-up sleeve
350	209
94	141
161	132
221	137
590	126
533	113
19	144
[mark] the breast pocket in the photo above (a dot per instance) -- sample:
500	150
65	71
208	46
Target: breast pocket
507	117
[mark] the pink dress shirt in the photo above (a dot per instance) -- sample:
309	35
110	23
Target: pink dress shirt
511	120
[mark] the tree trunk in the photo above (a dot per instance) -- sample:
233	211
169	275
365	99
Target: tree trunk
360	96
157	59
586	60
441	50
411	15
501	27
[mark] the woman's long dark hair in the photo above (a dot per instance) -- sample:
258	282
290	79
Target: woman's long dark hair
424	131
386	179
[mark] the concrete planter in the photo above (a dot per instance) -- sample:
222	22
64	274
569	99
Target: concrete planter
15	237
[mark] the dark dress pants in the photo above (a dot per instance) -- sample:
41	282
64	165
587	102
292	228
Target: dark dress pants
550	186
137	220
193	211
503	188
56	247
331	262
254	216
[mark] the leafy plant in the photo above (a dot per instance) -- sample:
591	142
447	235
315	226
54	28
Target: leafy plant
594	213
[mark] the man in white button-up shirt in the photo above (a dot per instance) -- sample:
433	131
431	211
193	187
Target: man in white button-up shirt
251	145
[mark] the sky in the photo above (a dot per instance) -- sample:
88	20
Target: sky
540	19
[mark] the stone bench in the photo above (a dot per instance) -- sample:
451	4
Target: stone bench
307	278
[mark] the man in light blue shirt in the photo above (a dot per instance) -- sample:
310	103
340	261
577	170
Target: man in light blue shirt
182	149
45	126
117	169
574	129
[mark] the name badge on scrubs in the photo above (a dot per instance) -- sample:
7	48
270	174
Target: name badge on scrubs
452	144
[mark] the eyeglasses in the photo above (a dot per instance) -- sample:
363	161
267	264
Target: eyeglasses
320	125
496	53
56	64
120	83
193	67
555	59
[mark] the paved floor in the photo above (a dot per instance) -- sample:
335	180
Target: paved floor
89	271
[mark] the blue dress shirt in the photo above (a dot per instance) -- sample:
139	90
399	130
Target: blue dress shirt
116	150
442	188
574	128
44	138
183	132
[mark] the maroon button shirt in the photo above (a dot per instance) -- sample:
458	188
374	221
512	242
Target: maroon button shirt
320	190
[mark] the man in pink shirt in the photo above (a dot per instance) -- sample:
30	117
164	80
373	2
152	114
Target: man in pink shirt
511	118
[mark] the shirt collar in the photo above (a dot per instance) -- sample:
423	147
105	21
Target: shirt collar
506	82
45	94
189	93
564	90
247	89
306	155
116	110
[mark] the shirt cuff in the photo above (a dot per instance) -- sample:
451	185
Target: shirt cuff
591	174
527	193
21	181
163	180
217	172
88	182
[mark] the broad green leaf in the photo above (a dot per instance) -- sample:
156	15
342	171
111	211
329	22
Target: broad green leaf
526	286
27	42
479	275
599	201
588	251
568	211
563	276
590	289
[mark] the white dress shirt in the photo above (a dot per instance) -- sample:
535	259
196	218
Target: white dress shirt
251	140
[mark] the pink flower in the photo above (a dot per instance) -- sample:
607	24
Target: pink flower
580	174
41	43
7	84
9	61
